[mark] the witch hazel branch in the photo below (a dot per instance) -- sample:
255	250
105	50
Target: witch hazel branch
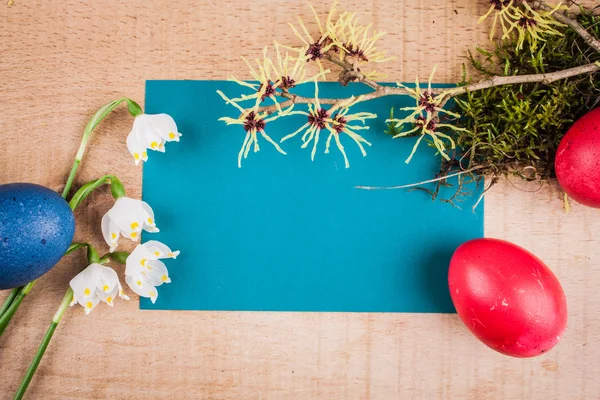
341	45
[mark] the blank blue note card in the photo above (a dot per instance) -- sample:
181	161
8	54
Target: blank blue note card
284	233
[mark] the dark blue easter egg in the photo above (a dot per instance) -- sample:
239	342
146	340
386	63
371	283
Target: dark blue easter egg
36	228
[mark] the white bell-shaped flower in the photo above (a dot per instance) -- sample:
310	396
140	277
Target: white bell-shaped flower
144	271
151	131
127	217
94	284
160	250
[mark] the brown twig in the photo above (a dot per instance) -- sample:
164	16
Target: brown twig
494	180
351	73
441	178
494	81
532	78
292	100
571	22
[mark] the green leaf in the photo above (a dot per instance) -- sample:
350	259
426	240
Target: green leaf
105	259
81	194
390	126
120	256
75	246
116	187
92	255
134	108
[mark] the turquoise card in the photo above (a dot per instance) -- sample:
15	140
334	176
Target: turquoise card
284	233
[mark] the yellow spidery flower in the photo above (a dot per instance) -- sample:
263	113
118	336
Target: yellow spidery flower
290	69
423	117
317	117
531	24
266	86
356	42
336	120
315	48
253	123
340	123
502	12
428	125
427	100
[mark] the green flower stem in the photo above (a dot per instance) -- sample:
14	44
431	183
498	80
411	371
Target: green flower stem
15	298
75	246
117	189
134	109
14	306
119	256
92	258
9	300
44	345
22	291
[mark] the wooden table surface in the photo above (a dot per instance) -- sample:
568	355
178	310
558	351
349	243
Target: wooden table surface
61	60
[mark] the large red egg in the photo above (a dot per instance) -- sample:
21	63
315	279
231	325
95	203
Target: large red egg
507	297
577	163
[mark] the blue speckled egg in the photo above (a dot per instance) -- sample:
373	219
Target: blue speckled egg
36	228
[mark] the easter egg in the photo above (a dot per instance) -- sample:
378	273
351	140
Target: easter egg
36	228
577	162
507	297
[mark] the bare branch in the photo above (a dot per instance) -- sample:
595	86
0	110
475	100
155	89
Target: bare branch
295	99
533	78
334	59
572	23
441	178
350	72
494	81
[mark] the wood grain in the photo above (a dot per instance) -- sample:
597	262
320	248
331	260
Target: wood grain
61	60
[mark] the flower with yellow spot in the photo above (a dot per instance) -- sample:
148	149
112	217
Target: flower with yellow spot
128	217
144	271
151	131
96	284
531	25
254	123
160	250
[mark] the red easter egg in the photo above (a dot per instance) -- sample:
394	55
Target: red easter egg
507	297
577	163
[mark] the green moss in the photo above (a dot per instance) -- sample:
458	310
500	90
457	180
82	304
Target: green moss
516	129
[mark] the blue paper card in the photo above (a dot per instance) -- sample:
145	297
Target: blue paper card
283	233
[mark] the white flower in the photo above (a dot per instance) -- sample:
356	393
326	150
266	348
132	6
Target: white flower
94	284
144	271
127	217
151	131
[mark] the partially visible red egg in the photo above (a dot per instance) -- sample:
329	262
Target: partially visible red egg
577	163
507	297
